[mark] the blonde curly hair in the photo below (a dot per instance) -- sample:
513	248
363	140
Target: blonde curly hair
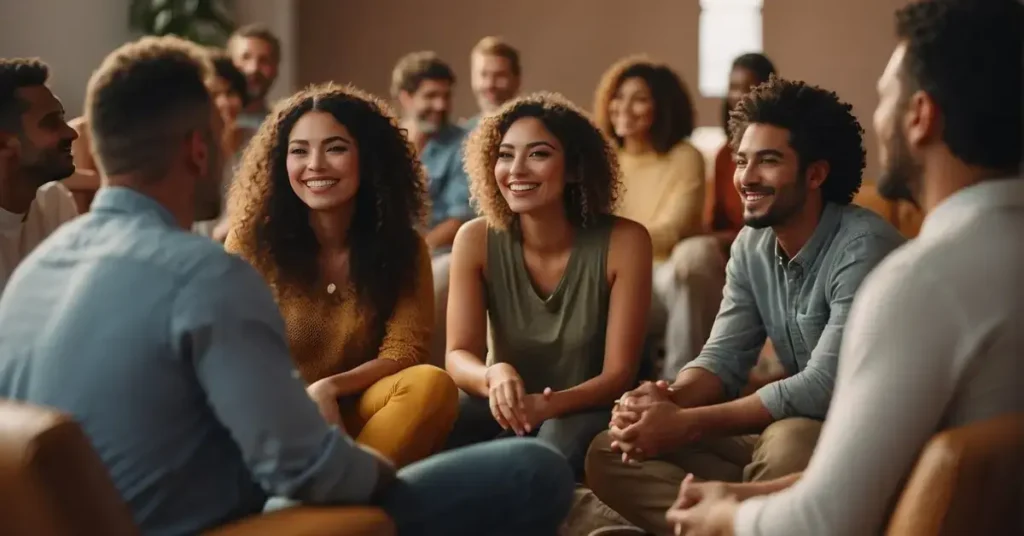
589	159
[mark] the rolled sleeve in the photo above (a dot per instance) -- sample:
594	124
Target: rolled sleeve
229	325
738	333
809	392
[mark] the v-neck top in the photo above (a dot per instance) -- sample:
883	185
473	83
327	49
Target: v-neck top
555	341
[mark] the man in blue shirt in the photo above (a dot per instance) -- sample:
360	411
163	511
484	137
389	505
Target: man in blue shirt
171	354
422	83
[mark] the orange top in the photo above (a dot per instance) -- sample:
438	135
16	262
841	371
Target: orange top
330	333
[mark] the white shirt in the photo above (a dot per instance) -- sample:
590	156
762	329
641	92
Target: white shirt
21	233
935	340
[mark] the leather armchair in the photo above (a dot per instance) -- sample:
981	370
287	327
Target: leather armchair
52	483
968	480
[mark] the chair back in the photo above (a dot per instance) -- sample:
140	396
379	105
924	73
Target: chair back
968	480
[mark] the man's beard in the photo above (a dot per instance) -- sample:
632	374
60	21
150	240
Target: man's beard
428	126
48	166
787	201
901	176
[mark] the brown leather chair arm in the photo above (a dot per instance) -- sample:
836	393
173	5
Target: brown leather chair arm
313	521
968	480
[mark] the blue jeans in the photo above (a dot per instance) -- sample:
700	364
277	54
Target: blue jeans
516	486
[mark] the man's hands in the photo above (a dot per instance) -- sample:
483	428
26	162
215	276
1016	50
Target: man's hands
661	426
625	411
510	405
704	509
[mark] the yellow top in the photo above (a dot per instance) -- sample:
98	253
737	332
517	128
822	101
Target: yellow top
330	333
664	193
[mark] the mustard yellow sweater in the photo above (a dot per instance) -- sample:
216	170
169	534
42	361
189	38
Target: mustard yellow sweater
665	193
329	333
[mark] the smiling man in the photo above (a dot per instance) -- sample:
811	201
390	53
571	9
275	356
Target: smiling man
256	51
495	74
791	277
35	152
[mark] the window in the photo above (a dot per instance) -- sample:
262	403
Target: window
728	28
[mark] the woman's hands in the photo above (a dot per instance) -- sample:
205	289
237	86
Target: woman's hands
510	405
326	397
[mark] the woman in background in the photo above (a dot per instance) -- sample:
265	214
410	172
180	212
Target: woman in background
645	108
562	283
326	207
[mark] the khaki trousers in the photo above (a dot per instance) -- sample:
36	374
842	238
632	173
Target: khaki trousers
643	492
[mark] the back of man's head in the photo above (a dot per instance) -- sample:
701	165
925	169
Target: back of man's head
966	55
143	104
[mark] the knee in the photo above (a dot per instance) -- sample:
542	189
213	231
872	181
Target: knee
432	391
696	258
598	459
547	473
784	448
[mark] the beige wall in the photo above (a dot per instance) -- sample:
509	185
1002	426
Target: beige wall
566	44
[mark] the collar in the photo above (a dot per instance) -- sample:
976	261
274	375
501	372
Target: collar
951	213
831	215
121	200
448	134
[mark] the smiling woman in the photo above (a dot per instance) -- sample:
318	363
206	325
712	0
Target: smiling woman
564	285
326	206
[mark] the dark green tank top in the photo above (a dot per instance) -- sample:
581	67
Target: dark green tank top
558	341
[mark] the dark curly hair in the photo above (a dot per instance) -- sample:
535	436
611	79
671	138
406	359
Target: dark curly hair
821	127
759	65
15	74
270	224
967	56
673	109
589	157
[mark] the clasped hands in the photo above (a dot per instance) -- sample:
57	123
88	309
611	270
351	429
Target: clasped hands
646	422
704	508
511	407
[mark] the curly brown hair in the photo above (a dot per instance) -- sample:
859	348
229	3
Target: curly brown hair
589	158
270	224
673	109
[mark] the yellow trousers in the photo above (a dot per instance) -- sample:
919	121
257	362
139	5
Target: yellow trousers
406	416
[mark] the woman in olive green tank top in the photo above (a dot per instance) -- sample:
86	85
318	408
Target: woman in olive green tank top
549	293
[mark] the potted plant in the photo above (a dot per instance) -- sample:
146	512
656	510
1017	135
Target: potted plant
206	22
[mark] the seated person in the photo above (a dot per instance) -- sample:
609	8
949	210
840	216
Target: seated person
564	285
35	153
644	107
932	341
791	277
230	95
171	354
325	207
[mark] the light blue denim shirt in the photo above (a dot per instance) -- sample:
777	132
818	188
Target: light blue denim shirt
171	355
447	182
801	304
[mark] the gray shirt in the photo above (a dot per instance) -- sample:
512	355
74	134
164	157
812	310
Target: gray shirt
171	355
801	304
936	341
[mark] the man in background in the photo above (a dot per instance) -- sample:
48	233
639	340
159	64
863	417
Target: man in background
495	76
35	153
256	52
422	84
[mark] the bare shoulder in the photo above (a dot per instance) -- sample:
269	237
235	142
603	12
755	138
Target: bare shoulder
629	238
629	245
470	242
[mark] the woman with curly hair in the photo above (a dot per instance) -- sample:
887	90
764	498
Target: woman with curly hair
562	283
326	206
645	108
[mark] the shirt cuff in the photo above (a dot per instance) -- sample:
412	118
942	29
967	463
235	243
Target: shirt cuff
745	523
773	400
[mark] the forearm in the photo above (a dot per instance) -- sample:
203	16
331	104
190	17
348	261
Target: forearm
600	391
443	234
362	377
744	416
746	490
696	387
468	371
